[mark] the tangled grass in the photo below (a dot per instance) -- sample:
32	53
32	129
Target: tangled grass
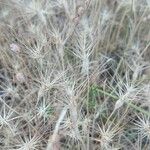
74	74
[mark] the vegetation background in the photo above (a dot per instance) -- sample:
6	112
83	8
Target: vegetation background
74	74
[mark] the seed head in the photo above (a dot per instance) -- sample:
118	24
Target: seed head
15	48
80	10
20	77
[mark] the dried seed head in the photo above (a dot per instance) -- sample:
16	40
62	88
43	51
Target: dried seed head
146	18
76	19
118	104
15	48
20	77
80	10
87	2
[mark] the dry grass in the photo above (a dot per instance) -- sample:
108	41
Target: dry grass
74	74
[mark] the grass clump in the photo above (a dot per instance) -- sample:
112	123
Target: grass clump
74	74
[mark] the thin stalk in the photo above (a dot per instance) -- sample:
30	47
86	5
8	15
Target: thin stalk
130	103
